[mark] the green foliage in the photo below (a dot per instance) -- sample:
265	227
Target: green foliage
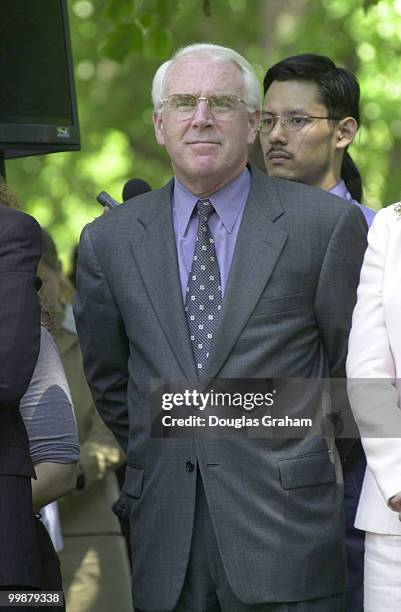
123	39
118	45
368	3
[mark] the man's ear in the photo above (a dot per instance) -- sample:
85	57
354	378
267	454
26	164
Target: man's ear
159	127
346	130
253	124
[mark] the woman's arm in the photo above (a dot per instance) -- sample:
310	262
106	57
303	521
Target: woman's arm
49	419
53	481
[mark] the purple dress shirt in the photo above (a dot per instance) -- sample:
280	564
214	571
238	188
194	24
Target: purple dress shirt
229	203
341	191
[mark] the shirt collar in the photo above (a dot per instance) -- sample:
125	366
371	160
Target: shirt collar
227	201
341	191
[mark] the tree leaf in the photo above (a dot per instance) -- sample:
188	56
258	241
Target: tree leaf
158	42
366	4
120	10
124	39
146	19
207	9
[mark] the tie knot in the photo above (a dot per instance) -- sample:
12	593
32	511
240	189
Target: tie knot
204	208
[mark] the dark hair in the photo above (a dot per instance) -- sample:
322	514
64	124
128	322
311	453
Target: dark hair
7	197
51	260
338	90
49	254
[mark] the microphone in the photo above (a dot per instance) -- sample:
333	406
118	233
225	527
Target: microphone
135	187
105	199
132	188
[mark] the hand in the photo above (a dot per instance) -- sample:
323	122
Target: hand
395	504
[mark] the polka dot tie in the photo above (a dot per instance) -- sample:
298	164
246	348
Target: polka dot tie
203	296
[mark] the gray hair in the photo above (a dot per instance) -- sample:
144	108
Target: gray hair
215	53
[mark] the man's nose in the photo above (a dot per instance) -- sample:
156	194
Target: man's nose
278	133
202	115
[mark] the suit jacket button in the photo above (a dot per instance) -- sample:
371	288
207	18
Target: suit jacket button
189	466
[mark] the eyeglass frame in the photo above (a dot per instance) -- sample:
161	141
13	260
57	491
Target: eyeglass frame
205	99
284	119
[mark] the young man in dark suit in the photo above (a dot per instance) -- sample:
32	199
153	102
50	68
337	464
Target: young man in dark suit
310	117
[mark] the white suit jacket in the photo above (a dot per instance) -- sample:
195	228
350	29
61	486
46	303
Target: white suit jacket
374	367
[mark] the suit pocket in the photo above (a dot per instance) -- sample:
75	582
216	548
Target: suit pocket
278	305
134	481
307	471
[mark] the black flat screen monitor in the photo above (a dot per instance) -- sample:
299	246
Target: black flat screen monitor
38	111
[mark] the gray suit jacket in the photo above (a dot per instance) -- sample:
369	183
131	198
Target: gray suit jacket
276	505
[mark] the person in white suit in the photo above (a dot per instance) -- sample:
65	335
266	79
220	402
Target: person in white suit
374	371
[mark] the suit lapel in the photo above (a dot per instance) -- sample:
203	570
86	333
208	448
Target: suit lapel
155	252
259	245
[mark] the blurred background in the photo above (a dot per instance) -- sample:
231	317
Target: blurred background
117	46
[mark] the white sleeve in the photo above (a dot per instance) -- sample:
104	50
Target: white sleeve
372	389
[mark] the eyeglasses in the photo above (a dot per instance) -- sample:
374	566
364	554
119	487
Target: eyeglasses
292	123
221	105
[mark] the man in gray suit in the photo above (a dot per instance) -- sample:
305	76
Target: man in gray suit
223	273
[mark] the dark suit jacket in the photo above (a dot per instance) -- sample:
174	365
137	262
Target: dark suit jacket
20	251
276	505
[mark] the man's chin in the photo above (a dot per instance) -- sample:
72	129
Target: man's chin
279	172
204	166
